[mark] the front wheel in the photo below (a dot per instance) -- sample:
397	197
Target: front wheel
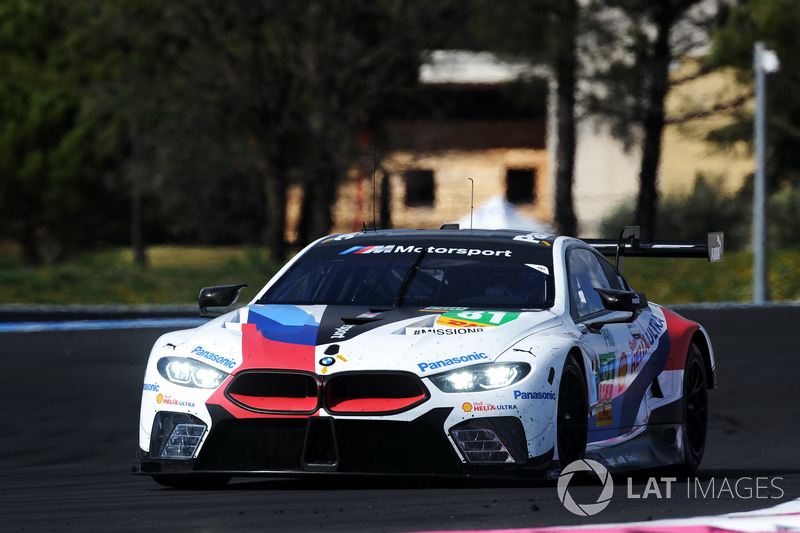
572	413
695	410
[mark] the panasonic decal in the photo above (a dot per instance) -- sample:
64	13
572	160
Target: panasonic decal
441	363
224	361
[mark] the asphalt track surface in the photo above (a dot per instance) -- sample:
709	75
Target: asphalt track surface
69	418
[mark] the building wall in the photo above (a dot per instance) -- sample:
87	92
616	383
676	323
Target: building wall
606	173
685	152
453	152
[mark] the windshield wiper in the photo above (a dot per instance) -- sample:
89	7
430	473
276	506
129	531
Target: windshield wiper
412	270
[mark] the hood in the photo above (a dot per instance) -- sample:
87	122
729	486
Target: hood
326	339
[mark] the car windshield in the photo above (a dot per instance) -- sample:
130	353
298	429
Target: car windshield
424	277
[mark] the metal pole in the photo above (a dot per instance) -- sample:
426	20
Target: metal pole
760	294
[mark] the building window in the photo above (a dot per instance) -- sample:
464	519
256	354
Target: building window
419	188
521	185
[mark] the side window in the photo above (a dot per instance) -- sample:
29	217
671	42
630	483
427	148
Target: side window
615	279
585	273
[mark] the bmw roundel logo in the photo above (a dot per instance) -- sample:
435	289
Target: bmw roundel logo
327	361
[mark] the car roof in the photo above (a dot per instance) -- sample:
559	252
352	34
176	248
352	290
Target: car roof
441	235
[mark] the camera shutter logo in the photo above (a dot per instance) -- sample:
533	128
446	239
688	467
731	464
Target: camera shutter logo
585	465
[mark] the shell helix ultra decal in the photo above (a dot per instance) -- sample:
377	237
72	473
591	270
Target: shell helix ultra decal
474	318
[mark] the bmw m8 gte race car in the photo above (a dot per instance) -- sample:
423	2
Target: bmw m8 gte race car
447	352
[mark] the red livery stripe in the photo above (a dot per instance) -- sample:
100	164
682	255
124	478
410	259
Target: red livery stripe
680	331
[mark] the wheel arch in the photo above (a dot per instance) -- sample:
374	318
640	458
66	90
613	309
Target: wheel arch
701	341
579	371
580	358
682	333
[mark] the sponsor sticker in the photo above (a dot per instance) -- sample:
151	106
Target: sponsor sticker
443	331
655	327
450	361
539	268
220	360
622	373
341	331
604	415
533	238
534	395
169	400
397	249
476	318
484	407
606	377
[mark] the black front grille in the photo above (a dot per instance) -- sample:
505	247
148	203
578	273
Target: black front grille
355	393
319	451
252	445
322	444
344	393
275	391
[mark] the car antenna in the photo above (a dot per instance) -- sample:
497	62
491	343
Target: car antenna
471	203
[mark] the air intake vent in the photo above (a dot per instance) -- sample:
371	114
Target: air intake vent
275	392
360	393
482	446
320	453
491	440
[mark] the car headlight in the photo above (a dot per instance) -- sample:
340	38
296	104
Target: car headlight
478	378
190	373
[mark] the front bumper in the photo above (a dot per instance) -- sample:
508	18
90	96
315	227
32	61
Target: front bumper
315	445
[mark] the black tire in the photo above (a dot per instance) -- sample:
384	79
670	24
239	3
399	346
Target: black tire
695	410
572	413
192	481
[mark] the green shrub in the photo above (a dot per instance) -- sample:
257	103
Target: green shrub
690	216
784	218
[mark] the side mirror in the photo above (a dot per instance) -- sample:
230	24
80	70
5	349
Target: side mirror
617	300
218	296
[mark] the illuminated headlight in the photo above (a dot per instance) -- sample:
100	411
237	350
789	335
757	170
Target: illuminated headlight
481	377
190	373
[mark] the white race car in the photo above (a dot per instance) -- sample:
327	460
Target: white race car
446	352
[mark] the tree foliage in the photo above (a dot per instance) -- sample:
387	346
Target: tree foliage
541	32
212	108
774	22
633	52
52	192
285	91
683	215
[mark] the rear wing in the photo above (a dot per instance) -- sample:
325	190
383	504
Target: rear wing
630	245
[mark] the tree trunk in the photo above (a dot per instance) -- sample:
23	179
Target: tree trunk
275	187
385	201
647	204
565	63
319	196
